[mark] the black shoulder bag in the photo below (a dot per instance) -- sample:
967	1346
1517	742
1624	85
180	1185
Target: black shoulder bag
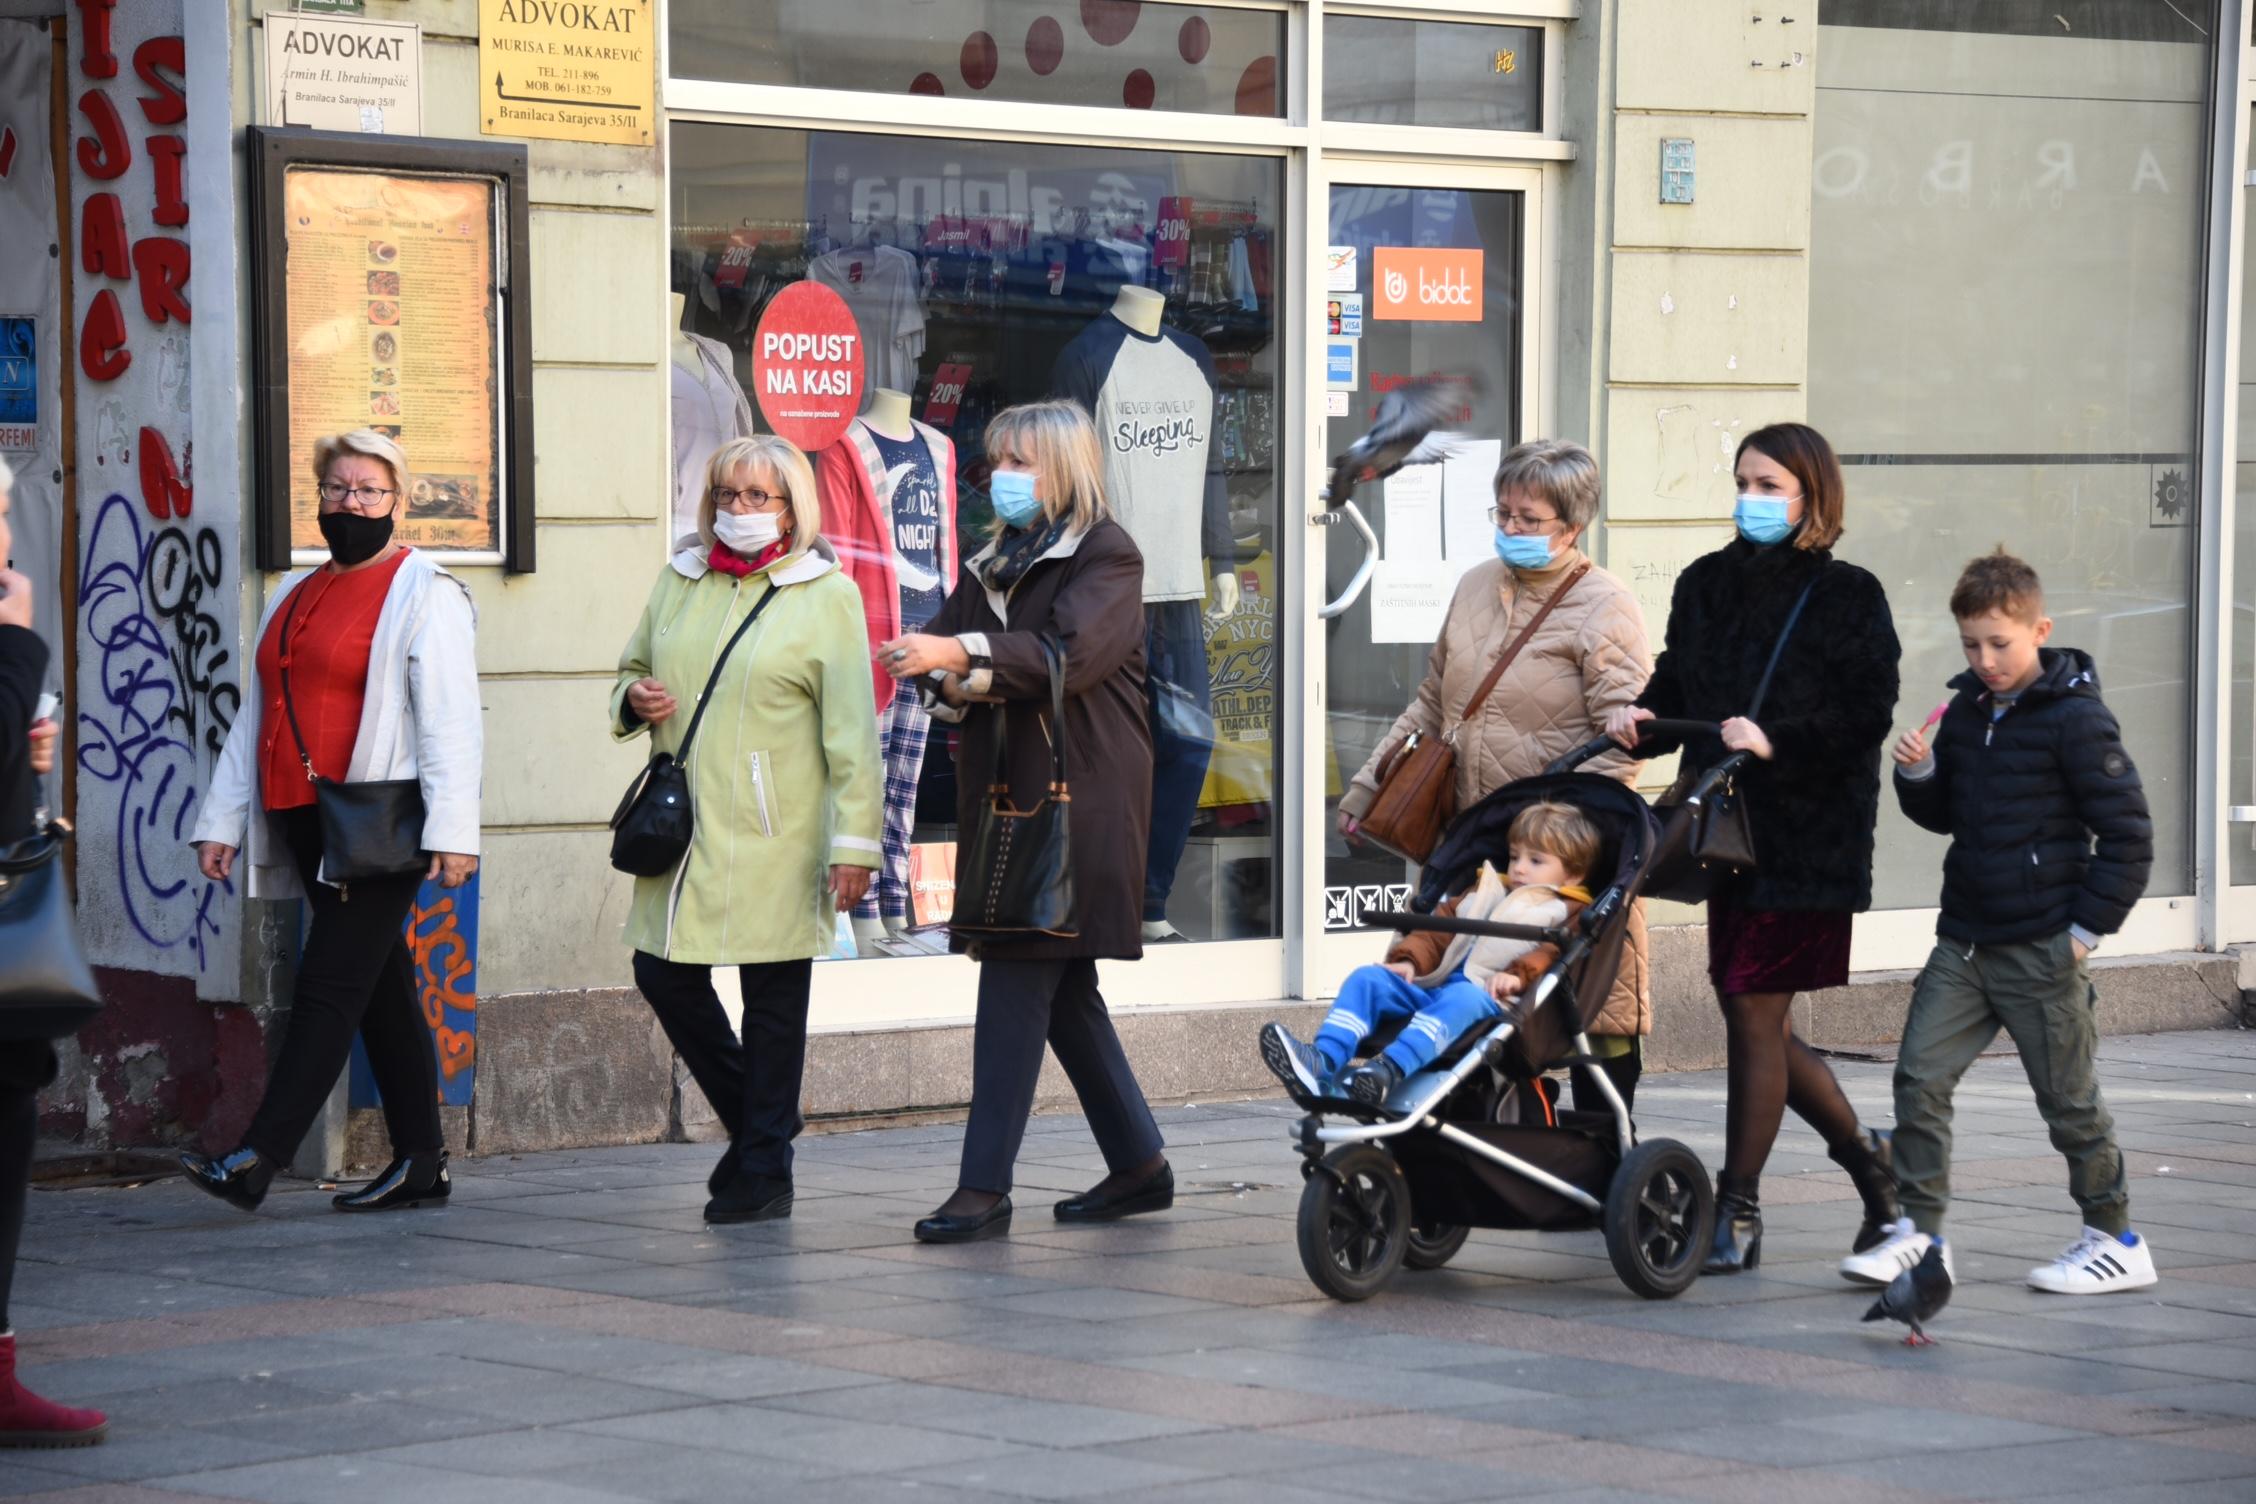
1706	835
47	990
1014	867
651	828
368	830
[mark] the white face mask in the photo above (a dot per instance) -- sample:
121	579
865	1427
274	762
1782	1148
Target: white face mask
747	532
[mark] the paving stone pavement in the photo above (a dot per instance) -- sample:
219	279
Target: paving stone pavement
569	1331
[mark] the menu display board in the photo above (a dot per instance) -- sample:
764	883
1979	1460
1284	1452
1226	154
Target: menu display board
392	327
392	293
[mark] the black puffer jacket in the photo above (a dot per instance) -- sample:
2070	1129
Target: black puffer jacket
2021	800
1814	804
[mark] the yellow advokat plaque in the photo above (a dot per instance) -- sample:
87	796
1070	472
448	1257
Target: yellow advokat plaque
569	70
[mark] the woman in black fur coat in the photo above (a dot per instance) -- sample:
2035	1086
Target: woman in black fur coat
1812	794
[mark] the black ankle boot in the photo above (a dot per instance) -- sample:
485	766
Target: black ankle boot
1871	1163
1738	1226
415	1180
240	1179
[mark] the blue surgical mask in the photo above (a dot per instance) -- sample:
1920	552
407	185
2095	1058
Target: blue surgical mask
1012	492
1762	519
1524	550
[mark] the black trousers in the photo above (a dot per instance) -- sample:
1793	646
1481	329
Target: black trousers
1622	1070
25	1066
753	1084
1022	1006
355	975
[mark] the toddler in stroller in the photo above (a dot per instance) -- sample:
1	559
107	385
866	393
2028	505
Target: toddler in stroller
1438	986
1466	1138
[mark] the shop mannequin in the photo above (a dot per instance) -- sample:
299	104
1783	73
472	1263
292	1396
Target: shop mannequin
889	507
709	409
1150	389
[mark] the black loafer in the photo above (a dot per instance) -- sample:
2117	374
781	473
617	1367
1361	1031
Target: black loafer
416	1180
750	1198
240	1179
942	1228
1154	1193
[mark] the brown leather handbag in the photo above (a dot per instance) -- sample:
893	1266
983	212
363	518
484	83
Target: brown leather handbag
1417	795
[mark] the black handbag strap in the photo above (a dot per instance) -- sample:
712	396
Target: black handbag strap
1053	653
1762	690
289	704
681	753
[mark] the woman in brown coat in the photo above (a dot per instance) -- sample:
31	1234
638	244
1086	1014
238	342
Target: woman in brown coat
1587	659
1059	568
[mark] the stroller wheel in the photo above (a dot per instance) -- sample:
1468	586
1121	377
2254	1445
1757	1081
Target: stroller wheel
1354	1222
1660	1213
1433	1244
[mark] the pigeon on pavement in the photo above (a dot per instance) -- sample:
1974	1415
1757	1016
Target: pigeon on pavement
1915	1296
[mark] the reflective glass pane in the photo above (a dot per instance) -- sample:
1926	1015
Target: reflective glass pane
2005	321
2241	839
984	274
1424	282
1440	73
1201	59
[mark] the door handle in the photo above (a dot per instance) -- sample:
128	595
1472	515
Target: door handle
1353	515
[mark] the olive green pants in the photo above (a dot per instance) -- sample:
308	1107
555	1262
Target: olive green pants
2042	996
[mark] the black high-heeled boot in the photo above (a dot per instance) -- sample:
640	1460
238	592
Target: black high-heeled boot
1871	1163
1738	1226
240	1179
413	1180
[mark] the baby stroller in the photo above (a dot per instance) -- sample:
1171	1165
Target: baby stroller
1474	1140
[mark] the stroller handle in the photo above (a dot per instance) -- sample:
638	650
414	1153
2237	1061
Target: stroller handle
1448	924
1645	729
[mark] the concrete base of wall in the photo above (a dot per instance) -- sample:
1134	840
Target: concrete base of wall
570	1070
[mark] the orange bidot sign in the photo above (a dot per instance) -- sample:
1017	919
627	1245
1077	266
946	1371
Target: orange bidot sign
1433	284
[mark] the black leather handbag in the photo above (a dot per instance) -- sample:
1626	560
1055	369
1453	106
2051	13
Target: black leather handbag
651	828
1014	869
368	830
47	990
1706	835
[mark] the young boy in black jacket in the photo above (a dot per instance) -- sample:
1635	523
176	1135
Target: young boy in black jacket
2027	773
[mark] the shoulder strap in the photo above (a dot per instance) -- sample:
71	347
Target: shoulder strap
1053	656
290	704
1504	662
1763	689
681	753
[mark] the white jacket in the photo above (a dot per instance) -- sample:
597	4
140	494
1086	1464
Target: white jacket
421	719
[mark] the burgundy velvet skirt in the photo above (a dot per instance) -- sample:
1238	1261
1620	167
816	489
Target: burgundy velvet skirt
1771	950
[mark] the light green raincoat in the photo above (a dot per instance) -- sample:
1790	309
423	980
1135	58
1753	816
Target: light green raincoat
784	775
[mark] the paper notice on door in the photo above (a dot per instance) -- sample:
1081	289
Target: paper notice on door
1410	598
1468	476
1413	514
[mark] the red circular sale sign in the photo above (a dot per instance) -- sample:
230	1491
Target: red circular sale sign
807	364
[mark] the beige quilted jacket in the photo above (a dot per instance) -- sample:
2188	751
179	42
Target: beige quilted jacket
1588	657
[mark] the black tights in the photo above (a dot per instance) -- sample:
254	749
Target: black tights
1771	1069
19	1126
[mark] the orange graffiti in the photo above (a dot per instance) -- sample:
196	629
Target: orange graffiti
443	967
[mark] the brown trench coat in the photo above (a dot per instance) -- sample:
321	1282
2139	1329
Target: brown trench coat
1088	590
1589	657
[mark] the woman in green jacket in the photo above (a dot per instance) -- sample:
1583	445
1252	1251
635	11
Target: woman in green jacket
785	780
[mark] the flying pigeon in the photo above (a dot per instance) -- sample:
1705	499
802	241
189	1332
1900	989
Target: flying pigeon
1916	1296
1404	433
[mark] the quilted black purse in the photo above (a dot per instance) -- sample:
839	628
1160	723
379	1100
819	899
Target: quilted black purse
371	829
47	990
1014	869
651	828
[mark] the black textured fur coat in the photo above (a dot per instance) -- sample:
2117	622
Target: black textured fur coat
1814	805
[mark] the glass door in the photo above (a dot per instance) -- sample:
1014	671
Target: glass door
1429	272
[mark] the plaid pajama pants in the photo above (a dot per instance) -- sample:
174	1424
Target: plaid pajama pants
901	735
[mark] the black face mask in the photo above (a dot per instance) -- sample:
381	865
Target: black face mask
354	539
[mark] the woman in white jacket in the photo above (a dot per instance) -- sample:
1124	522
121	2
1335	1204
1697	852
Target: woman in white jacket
379	653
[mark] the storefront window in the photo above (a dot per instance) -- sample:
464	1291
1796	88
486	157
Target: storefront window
2241	838
1432	520
1200	59
1383	71
983	274
2005	330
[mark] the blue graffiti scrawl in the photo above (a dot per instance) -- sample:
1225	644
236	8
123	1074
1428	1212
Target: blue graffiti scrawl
163	702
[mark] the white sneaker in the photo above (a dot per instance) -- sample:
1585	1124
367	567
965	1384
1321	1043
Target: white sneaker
1904	1246
2098	1263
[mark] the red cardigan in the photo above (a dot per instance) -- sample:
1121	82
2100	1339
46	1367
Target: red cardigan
858	521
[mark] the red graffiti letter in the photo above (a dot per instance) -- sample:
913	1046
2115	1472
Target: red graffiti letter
107	153
165	155
162	490
94	56
162	265
101	238
102	354
168	105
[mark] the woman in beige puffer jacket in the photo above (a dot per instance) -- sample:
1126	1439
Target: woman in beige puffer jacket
1589	657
